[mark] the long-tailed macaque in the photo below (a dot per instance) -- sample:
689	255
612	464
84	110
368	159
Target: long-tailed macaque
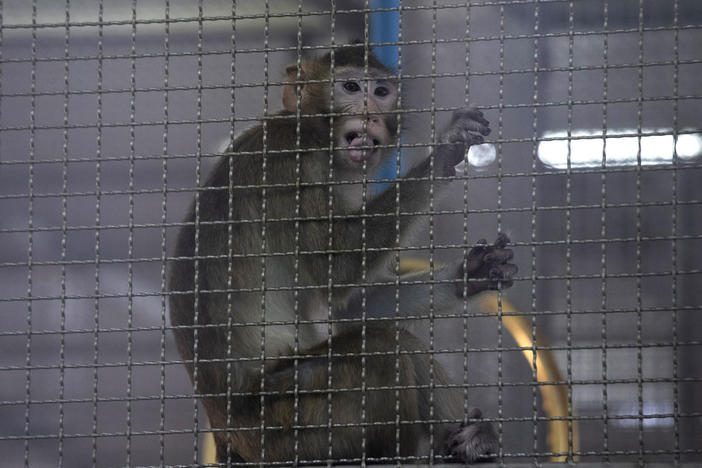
267	287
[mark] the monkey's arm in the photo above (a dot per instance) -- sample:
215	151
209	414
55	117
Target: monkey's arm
485	267
467	127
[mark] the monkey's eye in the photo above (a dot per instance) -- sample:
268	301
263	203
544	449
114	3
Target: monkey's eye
352	87
382	91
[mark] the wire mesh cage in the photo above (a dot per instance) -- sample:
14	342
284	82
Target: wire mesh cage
114	119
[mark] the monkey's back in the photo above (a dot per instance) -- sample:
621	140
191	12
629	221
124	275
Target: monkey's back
245	212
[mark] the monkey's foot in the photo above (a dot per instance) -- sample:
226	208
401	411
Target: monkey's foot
473	441
487	267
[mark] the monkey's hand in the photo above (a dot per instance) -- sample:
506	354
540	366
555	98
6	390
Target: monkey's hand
468	127
474	441
487	267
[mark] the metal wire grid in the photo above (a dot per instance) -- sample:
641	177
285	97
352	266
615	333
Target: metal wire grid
80	382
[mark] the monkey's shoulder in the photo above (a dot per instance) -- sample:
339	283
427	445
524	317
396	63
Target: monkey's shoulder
284	132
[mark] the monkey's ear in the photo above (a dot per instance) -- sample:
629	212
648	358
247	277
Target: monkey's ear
290	86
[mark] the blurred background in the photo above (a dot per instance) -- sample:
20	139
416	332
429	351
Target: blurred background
111	113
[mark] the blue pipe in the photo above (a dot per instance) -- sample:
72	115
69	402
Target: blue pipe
385	27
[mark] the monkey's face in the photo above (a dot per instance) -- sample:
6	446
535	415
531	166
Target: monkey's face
367	129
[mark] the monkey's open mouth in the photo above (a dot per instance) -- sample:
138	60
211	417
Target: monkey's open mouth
352	137
355	141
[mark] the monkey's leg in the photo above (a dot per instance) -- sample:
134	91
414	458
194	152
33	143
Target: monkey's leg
377	398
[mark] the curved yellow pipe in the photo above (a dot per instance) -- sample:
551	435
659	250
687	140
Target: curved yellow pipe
554	397
209	451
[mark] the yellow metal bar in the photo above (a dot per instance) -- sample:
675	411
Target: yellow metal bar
554	398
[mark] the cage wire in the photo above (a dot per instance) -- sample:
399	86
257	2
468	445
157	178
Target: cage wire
112	115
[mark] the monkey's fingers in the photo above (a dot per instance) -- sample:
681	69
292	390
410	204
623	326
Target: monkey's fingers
468	127
471	130
473	114
475	257
501	241
465	137
474	441
501	276
478	249
499	256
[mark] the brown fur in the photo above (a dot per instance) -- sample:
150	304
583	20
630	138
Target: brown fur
219	288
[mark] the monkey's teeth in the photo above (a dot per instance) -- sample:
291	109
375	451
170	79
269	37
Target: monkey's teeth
352	136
